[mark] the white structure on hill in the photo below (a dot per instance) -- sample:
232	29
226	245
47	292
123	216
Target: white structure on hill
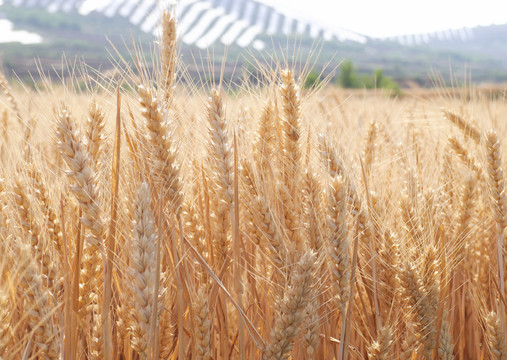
202	22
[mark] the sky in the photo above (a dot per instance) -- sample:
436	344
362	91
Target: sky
8	34
385	18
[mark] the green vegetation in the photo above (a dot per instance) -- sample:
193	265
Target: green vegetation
312	80
34	19
379	81
349	78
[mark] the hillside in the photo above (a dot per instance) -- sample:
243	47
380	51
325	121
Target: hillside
244	27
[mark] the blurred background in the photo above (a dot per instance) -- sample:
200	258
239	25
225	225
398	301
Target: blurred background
358	44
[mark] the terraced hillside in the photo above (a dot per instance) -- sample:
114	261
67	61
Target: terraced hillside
89	29
203	22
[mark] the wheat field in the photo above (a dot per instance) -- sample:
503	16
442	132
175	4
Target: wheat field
168	221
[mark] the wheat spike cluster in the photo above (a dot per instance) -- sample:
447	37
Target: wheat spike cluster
148	217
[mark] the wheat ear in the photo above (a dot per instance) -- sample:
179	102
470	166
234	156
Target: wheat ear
311	327
336	167
420	305
469	129
5	324
430	277
266	137
269	229
51	216
291	128
194	231
95	134
168	333
165	168
96	342
312	204
168	54
338	241
409	345
77	159
381	348
4	125
445	348
389	257
83	188
142	270
222	169
465	157
248	195
291	216
497	189
496	336
3	205
464	218
32	229
8	92
38	306
202	341
369	147
292	310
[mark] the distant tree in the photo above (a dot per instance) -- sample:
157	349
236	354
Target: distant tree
312	80
348	78
375	80
378	78
385	82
